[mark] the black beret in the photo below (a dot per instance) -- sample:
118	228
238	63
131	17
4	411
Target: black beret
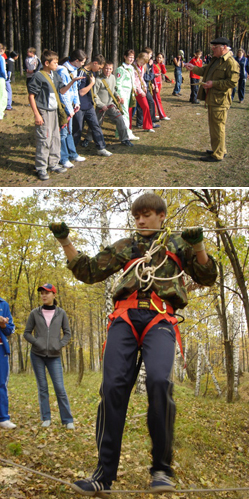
221	41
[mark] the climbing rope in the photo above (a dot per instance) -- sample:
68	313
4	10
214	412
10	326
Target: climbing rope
85	227
115	491
144	273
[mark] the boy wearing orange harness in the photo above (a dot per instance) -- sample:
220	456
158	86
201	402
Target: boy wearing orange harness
146	298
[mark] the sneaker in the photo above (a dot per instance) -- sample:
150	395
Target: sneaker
46	423
67	164
104	152
84	143
150	130
161	482
139	126
165	118
134	137
43	176
157	116
7	425
58	169
127	143
91	487
79	158
155	125
70	426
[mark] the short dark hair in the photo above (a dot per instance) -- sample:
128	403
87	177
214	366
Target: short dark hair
48	55
148	201
128	52
99	58
109	63
13	54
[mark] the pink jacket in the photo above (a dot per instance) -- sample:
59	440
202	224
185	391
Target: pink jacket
138	87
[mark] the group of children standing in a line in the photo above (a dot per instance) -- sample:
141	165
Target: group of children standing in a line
89	98
73	88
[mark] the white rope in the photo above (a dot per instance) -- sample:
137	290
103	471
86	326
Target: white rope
146	274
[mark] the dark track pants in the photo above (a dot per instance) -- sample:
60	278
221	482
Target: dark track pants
119	366
152	109
90	117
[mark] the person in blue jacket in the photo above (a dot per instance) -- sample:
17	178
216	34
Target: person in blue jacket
243	63
6	329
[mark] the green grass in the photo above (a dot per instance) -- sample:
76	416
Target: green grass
210	447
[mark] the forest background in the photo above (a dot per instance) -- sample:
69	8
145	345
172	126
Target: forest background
111	26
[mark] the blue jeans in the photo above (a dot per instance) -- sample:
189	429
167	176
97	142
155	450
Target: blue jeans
178	80
90	117
54	367
194	89
4	376
68	150
9	94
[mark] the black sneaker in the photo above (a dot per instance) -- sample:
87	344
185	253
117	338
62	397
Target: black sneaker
161	482
90	487
84	143
127	143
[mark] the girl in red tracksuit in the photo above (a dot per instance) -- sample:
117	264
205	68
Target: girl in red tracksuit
141	89
159	69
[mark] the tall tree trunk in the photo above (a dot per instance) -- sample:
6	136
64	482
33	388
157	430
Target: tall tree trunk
100	24
92	363
198	369
115	25
68	28
146	24
19	38
91	26
29	23
11	26
37	27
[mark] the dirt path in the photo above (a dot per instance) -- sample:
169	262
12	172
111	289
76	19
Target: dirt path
169	157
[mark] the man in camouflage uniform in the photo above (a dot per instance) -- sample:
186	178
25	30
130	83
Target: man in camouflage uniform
220	76
137	312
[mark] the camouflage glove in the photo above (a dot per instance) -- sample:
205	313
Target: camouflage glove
60	231
194	237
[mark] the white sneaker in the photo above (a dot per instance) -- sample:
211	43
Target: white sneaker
103	152
157	116
7	425
79	158
68	164
150	130
70	426
134	137
165	118
46	423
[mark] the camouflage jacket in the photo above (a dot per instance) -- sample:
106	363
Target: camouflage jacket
114	258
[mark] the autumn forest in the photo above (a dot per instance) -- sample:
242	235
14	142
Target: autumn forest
216	322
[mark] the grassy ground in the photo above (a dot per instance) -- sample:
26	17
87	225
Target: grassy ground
170	157
210	447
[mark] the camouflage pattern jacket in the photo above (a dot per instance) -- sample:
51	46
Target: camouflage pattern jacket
114	258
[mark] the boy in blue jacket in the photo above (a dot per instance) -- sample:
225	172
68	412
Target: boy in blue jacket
6	329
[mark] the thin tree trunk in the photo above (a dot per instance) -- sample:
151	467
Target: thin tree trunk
68	28
91	26
115	25
37	27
